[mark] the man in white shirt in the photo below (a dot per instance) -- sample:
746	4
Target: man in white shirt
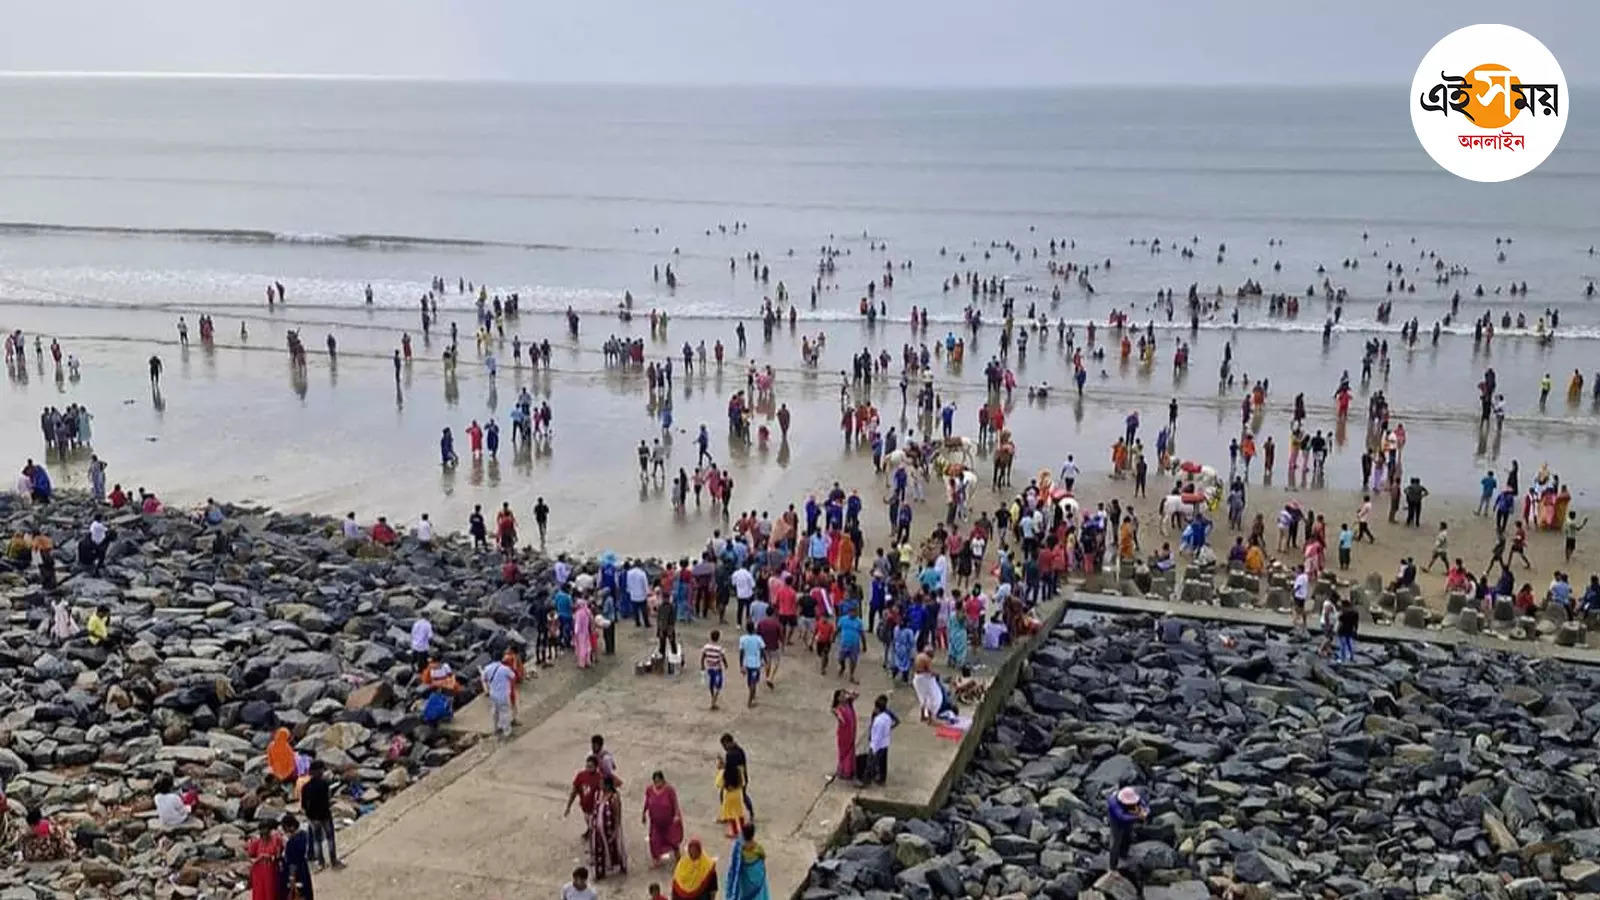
578	888
497	681
638	591
424	530
1069	472
421	638
878	737
352	531
562	570
1302	589
744	588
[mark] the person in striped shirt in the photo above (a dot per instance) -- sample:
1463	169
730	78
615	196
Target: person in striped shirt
712	662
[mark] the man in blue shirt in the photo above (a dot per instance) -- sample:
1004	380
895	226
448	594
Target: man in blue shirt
1488	484
1504	502
818	547
1561	594
563	604
850	641
880	599
752	654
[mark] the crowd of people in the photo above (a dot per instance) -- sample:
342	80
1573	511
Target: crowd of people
806	582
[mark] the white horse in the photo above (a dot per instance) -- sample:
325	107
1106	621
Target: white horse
1067	509
1177	511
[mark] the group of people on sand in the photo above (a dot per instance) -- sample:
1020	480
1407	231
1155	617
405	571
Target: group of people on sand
597	791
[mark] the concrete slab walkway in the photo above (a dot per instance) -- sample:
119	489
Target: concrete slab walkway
490	825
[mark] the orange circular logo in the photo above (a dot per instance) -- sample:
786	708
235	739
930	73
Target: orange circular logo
1492	101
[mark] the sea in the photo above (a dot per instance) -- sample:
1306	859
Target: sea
127	202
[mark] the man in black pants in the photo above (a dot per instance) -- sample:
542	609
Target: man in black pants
317	804
736	765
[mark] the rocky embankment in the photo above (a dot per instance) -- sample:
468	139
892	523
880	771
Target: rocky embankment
1270	772
288	626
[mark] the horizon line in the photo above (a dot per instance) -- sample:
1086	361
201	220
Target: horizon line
88	74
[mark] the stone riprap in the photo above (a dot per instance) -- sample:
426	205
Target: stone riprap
1269	771
286	625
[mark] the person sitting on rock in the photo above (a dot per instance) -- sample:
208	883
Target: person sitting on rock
19	550
99	626
437	676
281	759
1406	577
383	532
172	808
1162	561
118	497
968	689
44	840
1255	559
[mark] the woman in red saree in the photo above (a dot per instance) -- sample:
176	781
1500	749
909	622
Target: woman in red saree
844	717
607	853
664	819
264	850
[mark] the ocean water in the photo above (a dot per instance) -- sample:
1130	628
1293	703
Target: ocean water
127	202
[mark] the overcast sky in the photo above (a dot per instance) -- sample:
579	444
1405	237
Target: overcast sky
858	42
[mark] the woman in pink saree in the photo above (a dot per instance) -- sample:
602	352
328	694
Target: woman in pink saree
1313	559
583	634
844	717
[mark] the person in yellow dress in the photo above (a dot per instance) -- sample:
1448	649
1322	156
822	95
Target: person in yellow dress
731	811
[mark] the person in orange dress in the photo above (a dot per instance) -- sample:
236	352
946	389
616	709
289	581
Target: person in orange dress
280	756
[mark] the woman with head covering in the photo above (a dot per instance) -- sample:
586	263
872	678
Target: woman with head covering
844	733
664	818
747	871
1124	810
280	756
695	875
606	850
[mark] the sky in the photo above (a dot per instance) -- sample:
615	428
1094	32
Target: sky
932	43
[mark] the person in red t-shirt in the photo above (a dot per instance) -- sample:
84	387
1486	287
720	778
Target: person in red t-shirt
824	640
788	604
505	526
586	790
382	533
